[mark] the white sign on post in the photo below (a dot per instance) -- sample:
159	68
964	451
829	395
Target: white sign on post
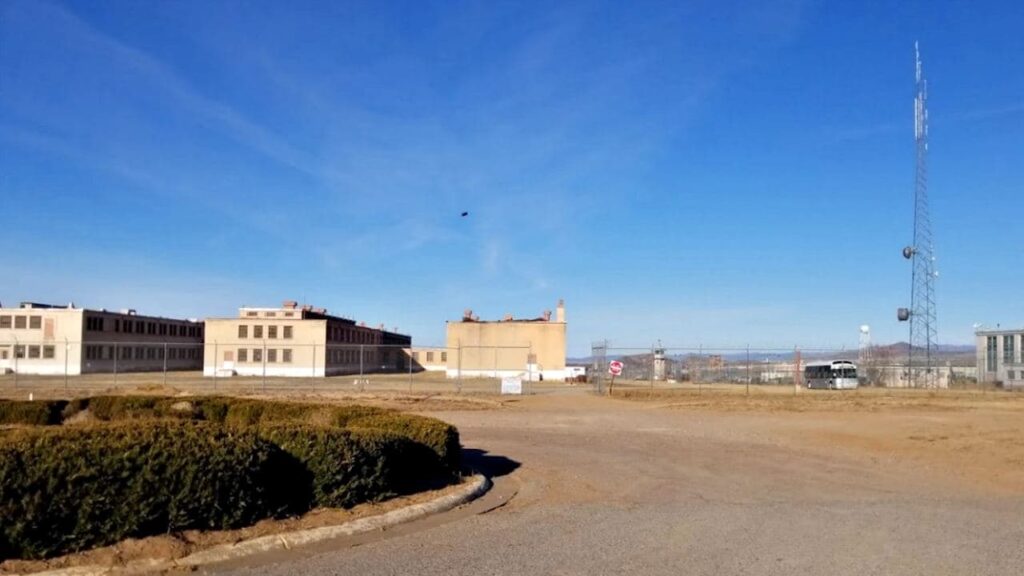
512	385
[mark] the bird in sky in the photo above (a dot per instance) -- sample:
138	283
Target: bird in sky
464	214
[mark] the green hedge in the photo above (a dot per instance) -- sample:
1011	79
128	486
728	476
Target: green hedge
441	438
71	488
36	413
342	468
158	464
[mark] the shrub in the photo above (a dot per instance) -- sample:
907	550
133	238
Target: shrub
343	467
34	413
440	438
67	489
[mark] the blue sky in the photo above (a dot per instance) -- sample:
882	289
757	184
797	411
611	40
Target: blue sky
713	173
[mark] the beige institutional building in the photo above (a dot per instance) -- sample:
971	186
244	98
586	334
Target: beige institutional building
532	348
1000	356
55	340
299	341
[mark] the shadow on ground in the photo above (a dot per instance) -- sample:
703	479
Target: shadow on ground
489	464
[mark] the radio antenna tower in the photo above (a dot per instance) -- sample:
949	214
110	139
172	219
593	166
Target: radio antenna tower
921	371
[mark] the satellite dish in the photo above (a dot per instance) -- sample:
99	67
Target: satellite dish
903	314
908	252
865	329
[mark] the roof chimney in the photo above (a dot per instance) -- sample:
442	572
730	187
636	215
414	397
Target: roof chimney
290	304
560	311
547	315
467	314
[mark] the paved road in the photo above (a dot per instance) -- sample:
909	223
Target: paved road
609	487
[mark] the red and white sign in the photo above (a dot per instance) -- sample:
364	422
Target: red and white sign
615	367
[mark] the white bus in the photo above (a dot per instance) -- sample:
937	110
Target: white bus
834	375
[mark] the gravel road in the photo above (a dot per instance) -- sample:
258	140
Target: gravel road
615	487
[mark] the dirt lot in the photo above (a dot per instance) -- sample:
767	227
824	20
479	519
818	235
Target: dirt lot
812	483
712	481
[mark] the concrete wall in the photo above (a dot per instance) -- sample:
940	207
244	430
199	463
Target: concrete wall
505	348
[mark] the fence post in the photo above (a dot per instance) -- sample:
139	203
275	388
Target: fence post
314	361
361	364
495	361
165	362
264	358
115	364
409	362
796	370
700	360
748	369
529	366
652	367
458	373
215	350
67	350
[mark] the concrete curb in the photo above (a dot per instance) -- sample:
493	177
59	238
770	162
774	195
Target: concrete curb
477	485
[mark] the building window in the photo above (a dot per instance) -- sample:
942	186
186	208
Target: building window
5	321
19	322
289	314
126	326
271	331
272	355
444	356
126	352
163	329
286	355
287	332
257	331
48	352
1010	375
139	328
243	331
990	353
243	355
33	351
19	351
1008	349
250	314
139	352
415	356
270	314
35	322
430	356
257	355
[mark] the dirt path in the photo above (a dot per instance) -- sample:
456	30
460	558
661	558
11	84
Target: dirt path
609	486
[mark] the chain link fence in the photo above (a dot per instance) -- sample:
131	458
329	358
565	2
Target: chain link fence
700	368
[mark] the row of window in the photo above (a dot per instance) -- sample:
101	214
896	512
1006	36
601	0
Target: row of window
257	331
1010	350
336	356
45	352
429	356
257	355
351	335
126	326
21	322
97	352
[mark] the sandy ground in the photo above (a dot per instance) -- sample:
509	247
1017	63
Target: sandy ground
811	483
